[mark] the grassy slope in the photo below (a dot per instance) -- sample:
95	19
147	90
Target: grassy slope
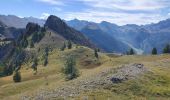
153	85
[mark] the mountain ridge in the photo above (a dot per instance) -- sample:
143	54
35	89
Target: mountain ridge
139	36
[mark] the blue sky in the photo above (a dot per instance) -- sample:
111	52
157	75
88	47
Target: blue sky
116	11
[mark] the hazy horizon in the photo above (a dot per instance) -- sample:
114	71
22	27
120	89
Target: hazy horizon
120	12
88	21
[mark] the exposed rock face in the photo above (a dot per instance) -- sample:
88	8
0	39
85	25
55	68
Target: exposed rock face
32	27
103	80
56	24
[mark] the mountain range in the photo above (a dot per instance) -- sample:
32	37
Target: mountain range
18	22
34	37
141	38
105	35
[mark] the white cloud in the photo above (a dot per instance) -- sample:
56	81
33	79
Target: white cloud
44	15
20	16
53	2
122	11
128	4
168	14
114	17
116	11
57	9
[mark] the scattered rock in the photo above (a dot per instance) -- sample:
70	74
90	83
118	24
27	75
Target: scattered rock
128	72
103	80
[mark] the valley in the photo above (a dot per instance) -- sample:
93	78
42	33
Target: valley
55	59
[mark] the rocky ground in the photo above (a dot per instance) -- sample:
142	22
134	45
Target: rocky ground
103	80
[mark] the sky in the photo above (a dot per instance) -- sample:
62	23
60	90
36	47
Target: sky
120	12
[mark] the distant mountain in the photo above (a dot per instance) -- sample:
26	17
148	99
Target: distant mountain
17	22
2	24
60	27
104	40
6	34
9	32
141	38
77	24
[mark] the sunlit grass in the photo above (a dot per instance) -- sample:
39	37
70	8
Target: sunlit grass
154	85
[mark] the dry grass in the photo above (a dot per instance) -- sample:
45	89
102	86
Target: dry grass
154	85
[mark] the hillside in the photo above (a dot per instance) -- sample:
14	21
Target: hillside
146	77
141	38
57	25
103	40
40	55
85	50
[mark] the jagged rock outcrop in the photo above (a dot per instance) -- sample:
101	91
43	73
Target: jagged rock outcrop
32	27
59	26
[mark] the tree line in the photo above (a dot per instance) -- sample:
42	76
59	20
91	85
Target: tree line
166	49
154	51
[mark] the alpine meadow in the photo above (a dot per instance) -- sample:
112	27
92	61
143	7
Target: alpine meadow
85	50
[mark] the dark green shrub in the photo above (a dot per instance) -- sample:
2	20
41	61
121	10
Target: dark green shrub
17	76
154	51
69	45
96	53
70	69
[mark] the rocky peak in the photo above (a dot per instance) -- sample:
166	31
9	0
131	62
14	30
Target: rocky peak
56	24
60	27
32	27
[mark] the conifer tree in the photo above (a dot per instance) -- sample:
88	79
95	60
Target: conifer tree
96	53
35	64
154	51
70	69
166	49
17	76
69	45
131	52
46	56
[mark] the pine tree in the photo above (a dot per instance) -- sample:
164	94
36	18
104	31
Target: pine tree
35	64
46	56
154	51
166	49
46	61
96	53
70	69
131	52
69	45
17	76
